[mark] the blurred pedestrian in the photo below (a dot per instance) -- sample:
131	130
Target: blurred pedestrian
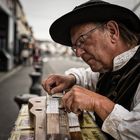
36	55
25	56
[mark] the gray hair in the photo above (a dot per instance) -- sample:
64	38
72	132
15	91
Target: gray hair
128	36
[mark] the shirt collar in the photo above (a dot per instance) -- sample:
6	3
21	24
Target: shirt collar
122	59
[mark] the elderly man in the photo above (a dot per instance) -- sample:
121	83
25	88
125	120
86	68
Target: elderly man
106	37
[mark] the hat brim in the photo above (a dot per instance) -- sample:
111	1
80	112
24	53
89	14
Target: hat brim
60	29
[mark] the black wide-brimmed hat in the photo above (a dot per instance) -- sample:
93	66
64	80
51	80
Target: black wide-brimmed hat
96	11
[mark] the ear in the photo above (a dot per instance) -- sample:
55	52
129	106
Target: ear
113	29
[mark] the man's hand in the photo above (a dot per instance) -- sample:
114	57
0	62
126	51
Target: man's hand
79	99
58	83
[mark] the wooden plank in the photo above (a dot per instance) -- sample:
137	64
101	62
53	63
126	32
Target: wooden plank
57	121
63	125
74	126
72	123
52	115
37	107
52	124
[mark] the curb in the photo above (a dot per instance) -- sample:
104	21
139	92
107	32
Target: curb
10	73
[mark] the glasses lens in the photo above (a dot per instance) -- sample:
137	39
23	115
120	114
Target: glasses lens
80	42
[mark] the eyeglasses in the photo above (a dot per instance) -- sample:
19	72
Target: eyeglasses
79	43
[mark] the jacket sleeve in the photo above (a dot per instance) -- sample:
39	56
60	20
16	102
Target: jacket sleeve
84	77
123	124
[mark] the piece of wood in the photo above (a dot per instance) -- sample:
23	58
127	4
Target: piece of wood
74	126
37	107
57	121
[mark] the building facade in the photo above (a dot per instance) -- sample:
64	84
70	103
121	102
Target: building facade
15	33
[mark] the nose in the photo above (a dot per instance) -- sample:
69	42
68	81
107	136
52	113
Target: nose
79	52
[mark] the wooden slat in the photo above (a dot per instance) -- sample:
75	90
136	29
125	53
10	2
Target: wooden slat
38	114
63	125
74	126
52	124
57	121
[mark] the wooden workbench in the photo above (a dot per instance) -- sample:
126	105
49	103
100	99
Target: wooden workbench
43	119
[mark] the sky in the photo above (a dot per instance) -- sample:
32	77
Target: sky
41	14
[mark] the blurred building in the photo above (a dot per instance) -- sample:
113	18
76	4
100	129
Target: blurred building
50	48
23	32
136	8
15	33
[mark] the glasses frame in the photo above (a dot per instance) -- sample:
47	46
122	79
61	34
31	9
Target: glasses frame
79	43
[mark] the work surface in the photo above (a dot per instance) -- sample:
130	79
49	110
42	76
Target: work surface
43	119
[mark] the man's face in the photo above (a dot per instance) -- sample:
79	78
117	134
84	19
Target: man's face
93	44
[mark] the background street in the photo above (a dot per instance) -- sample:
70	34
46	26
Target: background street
19	82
